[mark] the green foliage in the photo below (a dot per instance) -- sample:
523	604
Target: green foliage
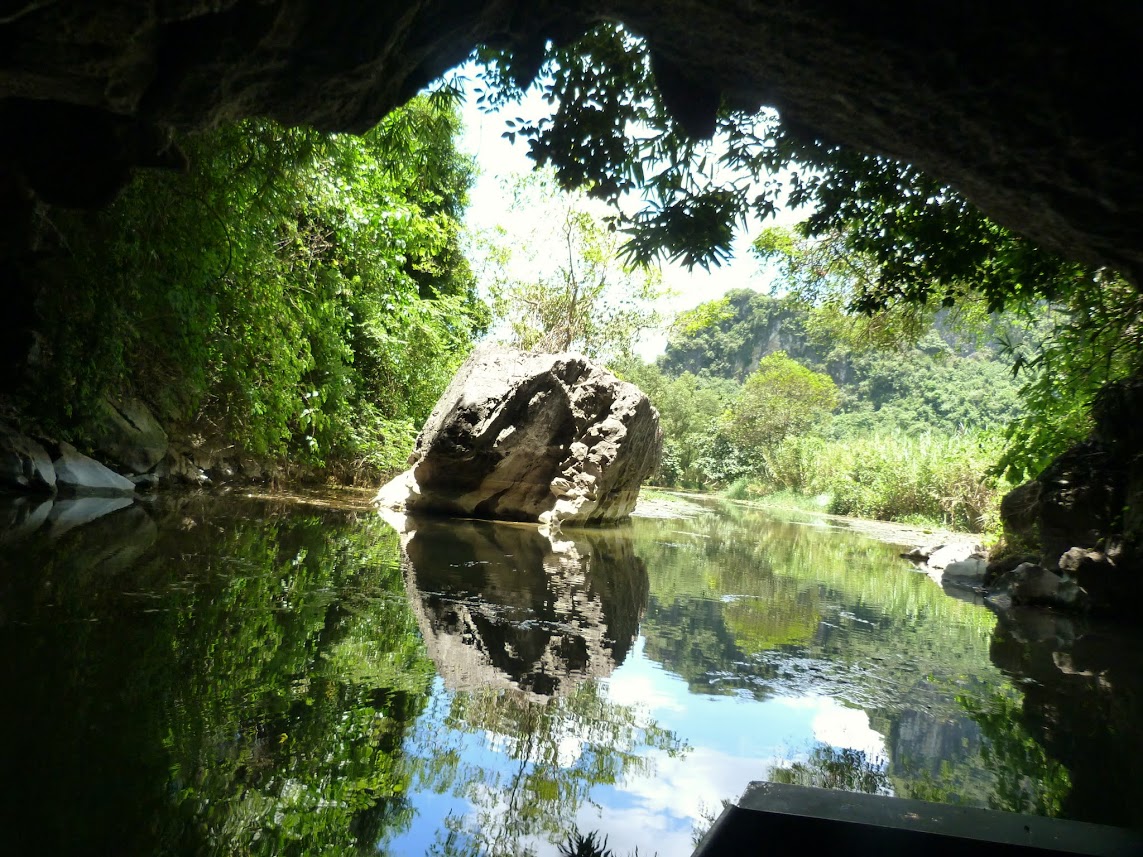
780	399
944	479
882	239
562	286
1029	780
926	389
949	376
916	435
295	292
1064	352
695	451
1095	338
841	769
899	409
610	131
251	696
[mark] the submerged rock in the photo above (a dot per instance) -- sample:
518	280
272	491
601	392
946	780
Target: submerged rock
550	438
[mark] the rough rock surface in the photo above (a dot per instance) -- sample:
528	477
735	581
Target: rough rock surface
1032	116
1082	513
1031	585
129	435
78	474
531	437
24	464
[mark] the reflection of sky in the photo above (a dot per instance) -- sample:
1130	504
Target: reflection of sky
735	741
732	741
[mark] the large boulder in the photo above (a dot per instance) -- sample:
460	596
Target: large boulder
1082	514
531	437
78	474
129	435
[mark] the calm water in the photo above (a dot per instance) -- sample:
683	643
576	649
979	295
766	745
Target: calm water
228	676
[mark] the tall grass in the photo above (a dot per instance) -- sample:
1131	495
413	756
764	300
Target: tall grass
893	476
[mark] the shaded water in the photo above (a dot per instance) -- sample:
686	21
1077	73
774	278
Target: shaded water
227	676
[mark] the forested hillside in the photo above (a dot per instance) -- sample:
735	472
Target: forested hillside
760	394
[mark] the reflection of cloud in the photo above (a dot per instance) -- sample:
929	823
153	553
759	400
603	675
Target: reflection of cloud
569	747
658	811
645	828
847	728
837	725
642	691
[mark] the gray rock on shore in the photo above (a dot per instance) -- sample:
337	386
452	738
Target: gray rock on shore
78	474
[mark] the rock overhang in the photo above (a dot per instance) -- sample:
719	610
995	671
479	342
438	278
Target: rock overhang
1030	115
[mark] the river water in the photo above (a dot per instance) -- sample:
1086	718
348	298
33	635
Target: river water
225	675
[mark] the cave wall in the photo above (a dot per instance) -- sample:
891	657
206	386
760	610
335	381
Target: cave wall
1028	111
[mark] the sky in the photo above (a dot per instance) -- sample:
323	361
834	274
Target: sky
489	206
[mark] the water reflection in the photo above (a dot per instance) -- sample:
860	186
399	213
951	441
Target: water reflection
1076	726
521	734
206	677
219	676
502	605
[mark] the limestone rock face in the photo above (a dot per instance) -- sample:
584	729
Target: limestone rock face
128	434
1031	116
532	437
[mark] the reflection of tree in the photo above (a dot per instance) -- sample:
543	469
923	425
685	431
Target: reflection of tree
737	597
242	687
550	756
743	603
836	768
1027	779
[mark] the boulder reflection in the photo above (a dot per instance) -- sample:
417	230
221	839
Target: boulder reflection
503	605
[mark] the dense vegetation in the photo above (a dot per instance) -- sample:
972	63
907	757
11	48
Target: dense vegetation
295	293
763	394
881	240
305	295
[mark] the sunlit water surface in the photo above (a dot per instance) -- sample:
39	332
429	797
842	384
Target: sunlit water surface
217	675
